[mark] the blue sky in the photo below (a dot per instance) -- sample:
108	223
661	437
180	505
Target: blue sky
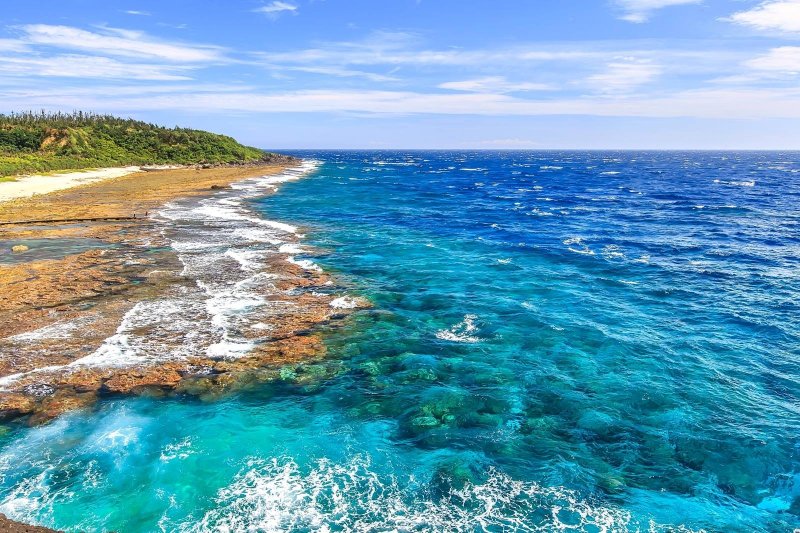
420	73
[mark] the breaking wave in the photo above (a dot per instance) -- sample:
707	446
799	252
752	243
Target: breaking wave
276	495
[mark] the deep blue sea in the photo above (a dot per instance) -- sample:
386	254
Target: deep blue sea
559	341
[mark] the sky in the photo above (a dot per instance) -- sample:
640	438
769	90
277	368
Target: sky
486	74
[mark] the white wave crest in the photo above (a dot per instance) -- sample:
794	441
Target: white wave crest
348	302
745	183
576	245
305	264
461	332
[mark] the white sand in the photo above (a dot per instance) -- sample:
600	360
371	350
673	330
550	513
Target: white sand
26	186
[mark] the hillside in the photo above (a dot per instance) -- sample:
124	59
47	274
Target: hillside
55	141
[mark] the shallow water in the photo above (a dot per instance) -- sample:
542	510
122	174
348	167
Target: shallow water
559	341
41	249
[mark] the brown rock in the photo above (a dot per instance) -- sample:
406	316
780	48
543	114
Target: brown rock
85	380
128	381
59	403
13	405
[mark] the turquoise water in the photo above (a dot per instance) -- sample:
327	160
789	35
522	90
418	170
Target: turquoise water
559	341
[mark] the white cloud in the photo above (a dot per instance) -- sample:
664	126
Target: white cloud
276	8
82	66
706	103
494	84
774	15
624	75
603	78
784	60
106	53
118	42
639	11
137	13
11	45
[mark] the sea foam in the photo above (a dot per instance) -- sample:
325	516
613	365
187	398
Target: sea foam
278	495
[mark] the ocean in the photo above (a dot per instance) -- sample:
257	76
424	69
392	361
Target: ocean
557	341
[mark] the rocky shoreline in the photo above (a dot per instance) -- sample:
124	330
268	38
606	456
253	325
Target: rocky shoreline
9	526
57	314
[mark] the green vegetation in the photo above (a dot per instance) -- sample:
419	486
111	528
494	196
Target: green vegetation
31	142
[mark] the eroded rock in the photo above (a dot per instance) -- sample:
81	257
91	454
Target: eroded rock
166	376
14	405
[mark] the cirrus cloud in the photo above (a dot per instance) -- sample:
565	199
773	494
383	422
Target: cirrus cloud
117	42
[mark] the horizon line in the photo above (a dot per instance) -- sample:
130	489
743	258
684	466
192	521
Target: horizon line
539	149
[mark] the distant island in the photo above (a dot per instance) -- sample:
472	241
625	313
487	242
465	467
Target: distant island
43	142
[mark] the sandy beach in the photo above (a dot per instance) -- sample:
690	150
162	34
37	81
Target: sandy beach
31	185
59	309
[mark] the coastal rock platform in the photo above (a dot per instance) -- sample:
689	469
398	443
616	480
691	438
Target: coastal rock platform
196	296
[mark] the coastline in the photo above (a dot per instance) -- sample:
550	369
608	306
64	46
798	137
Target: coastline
71	319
